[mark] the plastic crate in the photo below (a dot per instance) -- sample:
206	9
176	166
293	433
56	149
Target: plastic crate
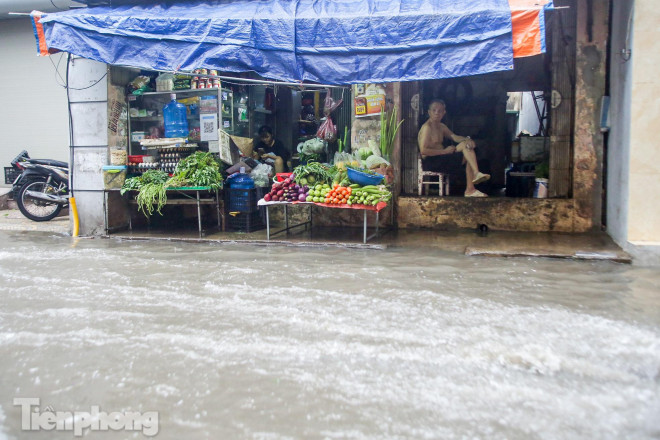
11	174
246	221
241	200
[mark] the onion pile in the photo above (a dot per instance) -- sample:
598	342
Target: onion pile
287	191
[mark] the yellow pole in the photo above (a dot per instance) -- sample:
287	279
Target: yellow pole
76	220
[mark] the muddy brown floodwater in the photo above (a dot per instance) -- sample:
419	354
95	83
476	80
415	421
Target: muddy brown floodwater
230	342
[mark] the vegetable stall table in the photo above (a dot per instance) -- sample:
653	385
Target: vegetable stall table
364	208
189	196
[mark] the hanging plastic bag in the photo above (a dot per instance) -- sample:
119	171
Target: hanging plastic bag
139	85
328	131
261	174
312	146
342	158
374	161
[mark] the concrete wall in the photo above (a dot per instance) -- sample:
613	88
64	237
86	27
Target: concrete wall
33	114
618	157
644	215
634	157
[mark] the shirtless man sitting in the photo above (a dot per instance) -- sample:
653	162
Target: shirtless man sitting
437	157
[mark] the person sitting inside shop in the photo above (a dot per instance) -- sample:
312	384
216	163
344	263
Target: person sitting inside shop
270	150
437	157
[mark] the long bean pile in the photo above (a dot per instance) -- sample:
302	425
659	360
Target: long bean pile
151	194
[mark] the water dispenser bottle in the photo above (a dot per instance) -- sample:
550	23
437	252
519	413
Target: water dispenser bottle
176	121
242	193
241	180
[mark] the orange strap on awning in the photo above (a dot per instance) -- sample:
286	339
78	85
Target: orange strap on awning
528	26
38	29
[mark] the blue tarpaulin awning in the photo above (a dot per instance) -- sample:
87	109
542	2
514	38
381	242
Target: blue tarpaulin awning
323	41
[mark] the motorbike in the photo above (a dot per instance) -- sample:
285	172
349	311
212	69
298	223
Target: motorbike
41	189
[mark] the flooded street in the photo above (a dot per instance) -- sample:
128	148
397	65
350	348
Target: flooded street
272	342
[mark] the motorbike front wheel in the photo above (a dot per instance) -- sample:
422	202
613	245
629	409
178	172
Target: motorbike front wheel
35	209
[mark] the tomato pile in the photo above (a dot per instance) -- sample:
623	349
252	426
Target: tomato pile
338	195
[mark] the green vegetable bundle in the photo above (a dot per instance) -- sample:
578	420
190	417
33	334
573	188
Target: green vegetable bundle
151	187
311	173
151	176
198	169
151	194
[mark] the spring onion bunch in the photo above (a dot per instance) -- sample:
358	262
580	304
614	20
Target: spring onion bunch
388	130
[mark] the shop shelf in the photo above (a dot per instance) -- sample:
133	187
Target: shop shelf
192	91
146	118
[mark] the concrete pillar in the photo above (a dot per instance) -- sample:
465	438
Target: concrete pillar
591	55
88	97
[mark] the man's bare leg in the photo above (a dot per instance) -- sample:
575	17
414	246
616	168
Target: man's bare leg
469	177
469	156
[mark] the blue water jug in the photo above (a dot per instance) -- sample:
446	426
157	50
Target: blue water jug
241	180
242	195
176	121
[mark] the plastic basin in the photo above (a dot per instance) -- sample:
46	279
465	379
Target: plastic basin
363	179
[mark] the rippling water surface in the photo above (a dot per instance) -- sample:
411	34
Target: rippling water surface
229	341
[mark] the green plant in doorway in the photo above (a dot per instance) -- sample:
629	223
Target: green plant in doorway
388	130
542	170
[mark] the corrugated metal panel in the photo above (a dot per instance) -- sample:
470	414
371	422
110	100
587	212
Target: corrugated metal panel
410	112
561	116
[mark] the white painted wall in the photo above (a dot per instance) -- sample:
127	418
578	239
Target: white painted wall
33	110
528	119
633	179
644	219
618	150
